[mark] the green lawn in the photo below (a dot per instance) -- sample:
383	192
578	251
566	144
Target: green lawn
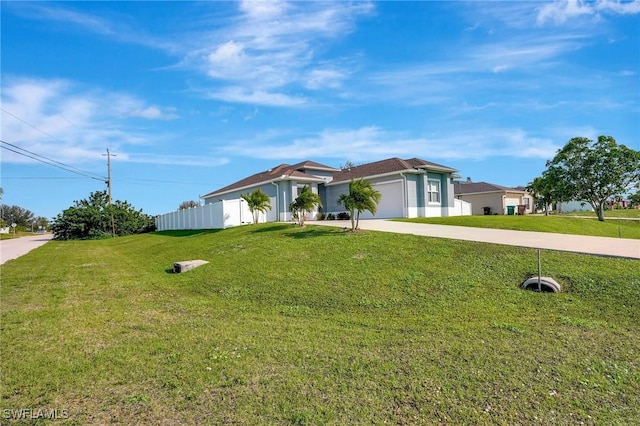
615	213
540	223
11	235
317	326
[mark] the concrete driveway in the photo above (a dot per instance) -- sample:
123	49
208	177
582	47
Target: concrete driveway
617	247
16	247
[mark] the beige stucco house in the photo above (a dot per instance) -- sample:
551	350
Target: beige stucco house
489	198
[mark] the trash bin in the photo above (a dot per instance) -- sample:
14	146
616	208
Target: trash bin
511	210
487	211
522	209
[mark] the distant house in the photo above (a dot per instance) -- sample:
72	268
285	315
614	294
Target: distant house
573	206
489	198
409	188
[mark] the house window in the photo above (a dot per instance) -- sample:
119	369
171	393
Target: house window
433	189
527	203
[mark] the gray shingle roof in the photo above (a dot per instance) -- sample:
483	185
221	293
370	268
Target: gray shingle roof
461	188
389	165
272	174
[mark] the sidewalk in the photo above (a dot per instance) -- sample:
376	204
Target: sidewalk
602	246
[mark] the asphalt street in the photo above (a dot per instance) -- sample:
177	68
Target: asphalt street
16	247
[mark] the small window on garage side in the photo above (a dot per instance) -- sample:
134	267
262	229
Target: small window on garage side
434	191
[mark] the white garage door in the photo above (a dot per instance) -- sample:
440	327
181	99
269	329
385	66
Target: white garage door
511	201
392	201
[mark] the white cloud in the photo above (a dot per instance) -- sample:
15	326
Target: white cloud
619	7
116	30
263	8
257	97
561	11
318	79
274	45
176	160
371	143
226	60
72	124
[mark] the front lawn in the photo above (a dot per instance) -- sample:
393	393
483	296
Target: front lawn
317	326
615	213
557	224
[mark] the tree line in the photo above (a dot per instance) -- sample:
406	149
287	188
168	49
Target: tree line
24	218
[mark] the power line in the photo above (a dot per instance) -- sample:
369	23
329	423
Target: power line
41	158
40	177
32	125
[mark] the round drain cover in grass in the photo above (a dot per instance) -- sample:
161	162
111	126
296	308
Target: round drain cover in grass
547	285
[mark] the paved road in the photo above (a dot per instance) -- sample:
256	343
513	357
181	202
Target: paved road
617	247
16	247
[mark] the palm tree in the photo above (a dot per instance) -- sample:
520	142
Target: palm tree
305	202
258	202
361	198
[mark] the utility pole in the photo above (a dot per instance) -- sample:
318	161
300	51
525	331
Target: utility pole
108	182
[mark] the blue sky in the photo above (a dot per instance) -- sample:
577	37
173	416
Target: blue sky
192	96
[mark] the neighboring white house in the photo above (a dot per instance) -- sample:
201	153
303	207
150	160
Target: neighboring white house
574	206
409	188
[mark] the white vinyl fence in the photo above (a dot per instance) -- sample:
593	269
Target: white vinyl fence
461	208
220	215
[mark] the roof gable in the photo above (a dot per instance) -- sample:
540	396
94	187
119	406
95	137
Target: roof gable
312	165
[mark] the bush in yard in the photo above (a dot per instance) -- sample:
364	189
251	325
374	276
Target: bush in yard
94	218
343	216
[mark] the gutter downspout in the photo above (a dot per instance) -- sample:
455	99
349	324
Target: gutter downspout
405	207
277	201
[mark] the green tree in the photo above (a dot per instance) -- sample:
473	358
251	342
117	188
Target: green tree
361	197
347	165
16	214
543	192
39	222
304	203
258	202
584	170
95	218
188	205
635	199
